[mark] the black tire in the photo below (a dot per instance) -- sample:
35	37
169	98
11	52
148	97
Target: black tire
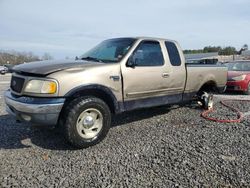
71	114
248	90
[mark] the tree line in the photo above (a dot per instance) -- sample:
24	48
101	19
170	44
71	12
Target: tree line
15	58
229	50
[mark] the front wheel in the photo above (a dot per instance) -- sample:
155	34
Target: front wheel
87	121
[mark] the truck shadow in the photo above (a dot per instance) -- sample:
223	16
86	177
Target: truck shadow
15	135
137	115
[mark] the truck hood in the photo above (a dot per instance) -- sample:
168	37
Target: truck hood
44	68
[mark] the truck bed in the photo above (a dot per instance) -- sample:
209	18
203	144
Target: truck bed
200	74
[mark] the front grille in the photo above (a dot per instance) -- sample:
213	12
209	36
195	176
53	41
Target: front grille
16	84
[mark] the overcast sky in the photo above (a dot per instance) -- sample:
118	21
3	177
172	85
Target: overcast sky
68	28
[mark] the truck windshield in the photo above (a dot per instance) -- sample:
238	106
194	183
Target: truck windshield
238	66
109	51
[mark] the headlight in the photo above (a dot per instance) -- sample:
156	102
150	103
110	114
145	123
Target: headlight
241	77
41	86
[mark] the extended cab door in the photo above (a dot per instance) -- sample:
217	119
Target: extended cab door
149	79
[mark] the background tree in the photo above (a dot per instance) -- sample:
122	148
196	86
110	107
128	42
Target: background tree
14	58
193	51
229	50
46	56
208	49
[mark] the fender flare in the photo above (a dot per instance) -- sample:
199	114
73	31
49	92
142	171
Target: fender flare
106	93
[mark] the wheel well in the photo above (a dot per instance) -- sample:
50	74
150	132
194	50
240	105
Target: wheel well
101	94
209	86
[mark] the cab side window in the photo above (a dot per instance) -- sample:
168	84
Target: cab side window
148	53
173	53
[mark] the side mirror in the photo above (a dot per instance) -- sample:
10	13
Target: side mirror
135	58
131	62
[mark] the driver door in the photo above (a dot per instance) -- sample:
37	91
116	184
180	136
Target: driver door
145	81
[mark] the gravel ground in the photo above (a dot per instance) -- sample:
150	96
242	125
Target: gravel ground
224	113
158	147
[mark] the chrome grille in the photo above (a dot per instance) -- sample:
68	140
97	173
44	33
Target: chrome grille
16	84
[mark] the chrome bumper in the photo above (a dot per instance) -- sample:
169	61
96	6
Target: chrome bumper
44	111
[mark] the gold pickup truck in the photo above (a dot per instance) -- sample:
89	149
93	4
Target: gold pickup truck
117	75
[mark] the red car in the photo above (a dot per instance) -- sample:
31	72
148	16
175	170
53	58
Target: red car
238	77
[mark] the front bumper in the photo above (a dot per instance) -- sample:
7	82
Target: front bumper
42	111
240	85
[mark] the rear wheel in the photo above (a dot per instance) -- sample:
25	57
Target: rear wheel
87	121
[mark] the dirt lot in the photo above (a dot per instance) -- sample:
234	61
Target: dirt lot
164	146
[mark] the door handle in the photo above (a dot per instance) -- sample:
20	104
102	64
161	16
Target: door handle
165	75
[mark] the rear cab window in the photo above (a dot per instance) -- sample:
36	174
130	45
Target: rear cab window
173	53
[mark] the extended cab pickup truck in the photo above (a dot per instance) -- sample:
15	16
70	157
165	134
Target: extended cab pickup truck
117	75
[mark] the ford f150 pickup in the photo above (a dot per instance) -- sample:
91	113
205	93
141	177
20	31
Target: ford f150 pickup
117	75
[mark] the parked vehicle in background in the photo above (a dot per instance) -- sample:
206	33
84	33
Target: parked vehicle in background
3	69
117	75
203	61
238	78
9	67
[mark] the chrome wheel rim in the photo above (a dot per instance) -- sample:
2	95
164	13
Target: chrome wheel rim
89	123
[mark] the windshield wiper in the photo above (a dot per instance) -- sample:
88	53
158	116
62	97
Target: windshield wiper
92	59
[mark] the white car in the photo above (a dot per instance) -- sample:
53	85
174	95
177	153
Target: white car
3	69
